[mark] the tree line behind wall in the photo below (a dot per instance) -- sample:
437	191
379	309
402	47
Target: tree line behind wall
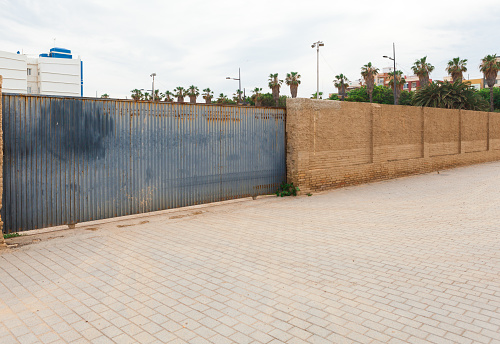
457	94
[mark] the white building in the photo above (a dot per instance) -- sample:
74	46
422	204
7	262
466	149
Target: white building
13	70
56	73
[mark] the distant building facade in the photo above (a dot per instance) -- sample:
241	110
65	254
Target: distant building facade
13	69
55	73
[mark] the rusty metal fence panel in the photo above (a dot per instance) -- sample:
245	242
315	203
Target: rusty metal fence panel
70	160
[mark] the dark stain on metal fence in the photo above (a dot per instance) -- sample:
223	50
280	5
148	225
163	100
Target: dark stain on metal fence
70	160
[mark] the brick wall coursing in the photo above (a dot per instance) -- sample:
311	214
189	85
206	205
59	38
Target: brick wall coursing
332	144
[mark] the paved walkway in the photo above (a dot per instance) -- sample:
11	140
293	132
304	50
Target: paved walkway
413	260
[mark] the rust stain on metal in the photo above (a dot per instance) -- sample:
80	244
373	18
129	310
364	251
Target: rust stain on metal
265	186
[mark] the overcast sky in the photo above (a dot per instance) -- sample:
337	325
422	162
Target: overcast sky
201	42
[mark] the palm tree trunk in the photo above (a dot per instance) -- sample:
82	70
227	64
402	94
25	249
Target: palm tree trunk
491	99
208	100
293	90
424	81
192	99
398	93
276	95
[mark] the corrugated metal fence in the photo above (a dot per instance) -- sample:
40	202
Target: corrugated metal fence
70	160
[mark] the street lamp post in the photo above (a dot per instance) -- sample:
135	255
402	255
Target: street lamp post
239	82
153	91
393	58
317	45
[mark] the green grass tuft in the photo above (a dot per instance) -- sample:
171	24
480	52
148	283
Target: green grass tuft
11	235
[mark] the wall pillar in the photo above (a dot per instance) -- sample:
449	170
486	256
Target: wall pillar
301	116
2	240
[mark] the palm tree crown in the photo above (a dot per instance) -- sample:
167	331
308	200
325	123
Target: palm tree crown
368	72
396	82
398	75
293	80
180	91
341	82
490	65
193	91
257	96
422	69
257	90
274	81
456	67
274	85
207	93
137	94
222	98
168	96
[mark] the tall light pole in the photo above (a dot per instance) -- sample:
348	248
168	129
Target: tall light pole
393	58
153	90
317	45
239	87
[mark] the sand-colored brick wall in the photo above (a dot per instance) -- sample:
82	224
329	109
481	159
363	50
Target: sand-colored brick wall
332	144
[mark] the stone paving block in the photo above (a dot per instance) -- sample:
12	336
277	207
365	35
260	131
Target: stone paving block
28	338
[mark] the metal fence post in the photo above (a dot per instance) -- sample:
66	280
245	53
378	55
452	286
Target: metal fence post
2	240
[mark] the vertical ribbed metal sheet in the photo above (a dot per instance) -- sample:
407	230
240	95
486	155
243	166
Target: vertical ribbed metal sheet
70	160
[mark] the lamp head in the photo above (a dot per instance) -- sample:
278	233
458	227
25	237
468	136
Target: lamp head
312	46
228	77
321	44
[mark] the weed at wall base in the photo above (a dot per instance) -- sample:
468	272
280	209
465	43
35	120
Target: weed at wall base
287	190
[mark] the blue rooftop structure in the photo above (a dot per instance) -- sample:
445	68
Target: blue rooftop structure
59	53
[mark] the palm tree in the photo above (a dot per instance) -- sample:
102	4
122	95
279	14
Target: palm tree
237	96
257	96
168	96
422	69
400	81
313	96
292	80
274	85
341	82
192	92
158	96
136	94
105	95
146	96
180	93
222	98
456	68
207	95
368	72
490	65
